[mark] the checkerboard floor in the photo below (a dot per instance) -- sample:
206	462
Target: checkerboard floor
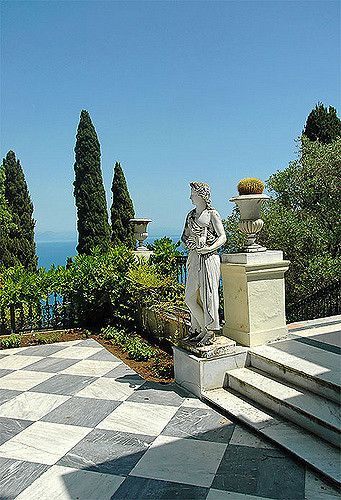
77	423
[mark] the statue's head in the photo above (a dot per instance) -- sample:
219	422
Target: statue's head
203	190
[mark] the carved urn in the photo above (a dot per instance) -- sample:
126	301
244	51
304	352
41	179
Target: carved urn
249	206
140	232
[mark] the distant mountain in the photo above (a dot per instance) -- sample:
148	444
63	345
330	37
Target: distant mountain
56	236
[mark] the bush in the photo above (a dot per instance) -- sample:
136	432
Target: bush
10	341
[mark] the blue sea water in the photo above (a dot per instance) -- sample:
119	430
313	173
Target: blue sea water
56	252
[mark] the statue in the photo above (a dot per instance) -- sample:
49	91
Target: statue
203	234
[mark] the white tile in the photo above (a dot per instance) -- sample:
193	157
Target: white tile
18	362
65	483
188	461
23	380
89	367
242	437
194	403
75	352
139	418
31	405
12	350
231	495
43	442
317	489
108	388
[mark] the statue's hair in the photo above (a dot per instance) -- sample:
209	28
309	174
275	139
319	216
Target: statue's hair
203	190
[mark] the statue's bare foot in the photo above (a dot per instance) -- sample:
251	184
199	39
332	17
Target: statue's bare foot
207	339
198	337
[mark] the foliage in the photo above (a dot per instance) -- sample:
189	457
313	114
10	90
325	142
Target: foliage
134	345
10	341
165	256
163	367
92	224
122	210
47	338
250	185
19	246
235	239
302	218
6	221
322	124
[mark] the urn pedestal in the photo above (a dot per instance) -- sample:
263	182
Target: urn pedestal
254	296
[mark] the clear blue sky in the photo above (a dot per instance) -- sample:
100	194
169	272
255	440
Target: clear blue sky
178	91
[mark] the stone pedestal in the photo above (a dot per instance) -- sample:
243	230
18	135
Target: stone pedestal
254	296
198	374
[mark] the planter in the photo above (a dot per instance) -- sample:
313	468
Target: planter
140	232
163	324
249	206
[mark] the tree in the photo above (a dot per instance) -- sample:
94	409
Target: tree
323	124
92	215
20	246
302	217
122	210
6	221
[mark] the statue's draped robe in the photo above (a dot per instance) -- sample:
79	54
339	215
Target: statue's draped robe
203	271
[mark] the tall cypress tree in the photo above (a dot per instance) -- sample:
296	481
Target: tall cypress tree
323	124
20	245
122	209
92	214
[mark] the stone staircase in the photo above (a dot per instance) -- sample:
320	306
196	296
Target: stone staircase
289	391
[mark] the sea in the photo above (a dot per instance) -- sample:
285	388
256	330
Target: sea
56	252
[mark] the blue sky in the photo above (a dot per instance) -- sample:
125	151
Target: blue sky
178	91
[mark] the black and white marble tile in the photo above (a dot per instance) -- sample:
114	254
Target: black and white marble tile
9	427
7	394
199	423
64	483
42	350
86	412
140	487
154	393
16	475
104	355
107	452
64	384
260	472
51	365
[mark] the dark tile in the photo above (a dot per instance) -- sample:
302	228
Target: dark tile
4	372
89	343
200	423
16	476
86	412
260	472
108	452
141	488
6	395
10	427
154	393
42	350
104	355
51	365
63	384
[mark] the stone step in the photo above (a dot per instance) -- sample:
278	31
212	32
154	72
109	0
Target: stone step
302	365
313	450
314	413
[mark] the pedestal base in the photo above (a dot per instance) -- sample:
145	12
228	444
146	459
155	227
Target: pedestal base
254	296
143	253
219	347
201	374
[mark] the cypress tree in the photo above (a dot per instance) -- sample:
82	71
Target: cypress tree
122	209
323	124
20	245
92	214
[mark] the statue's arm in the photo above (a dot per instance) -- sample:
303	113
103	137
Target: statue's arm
186	239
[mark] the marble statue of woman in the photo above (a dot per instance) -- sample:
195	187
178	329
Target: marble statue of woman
203	234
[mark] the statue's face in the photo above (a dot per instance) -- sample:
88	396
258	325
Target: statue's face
195	198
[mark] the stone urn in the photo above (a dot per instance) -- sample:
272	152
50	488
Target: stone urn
249	206
140	232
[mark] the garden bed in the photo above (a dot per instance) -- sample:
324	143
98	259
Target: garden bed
146	369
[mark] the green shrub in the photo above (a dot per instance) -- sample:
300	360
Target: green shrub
163	368
139	349
47	338
10	341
